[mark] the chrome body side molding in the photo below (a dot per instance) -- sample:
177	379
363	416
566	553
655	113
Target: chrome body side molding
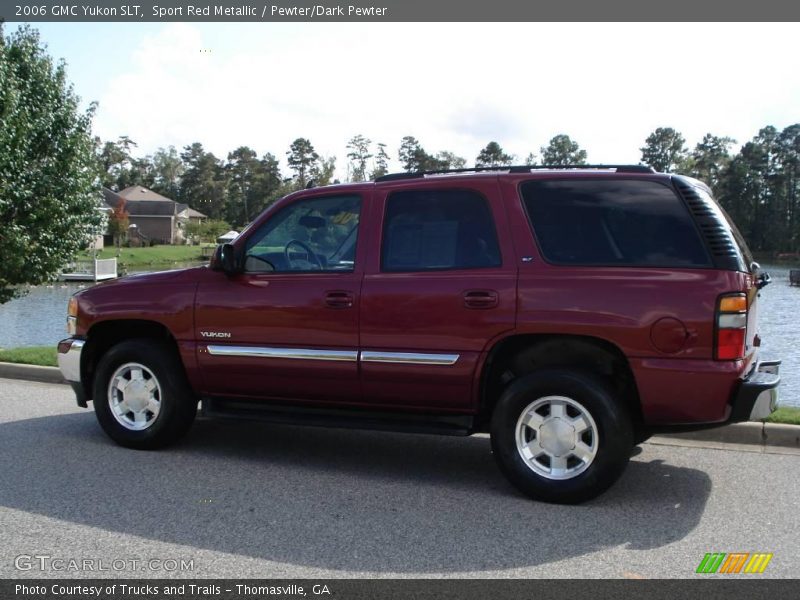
408	358
403	358
294	353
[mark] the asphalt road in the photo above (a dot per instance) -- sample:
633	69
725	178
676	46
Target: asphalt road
257	500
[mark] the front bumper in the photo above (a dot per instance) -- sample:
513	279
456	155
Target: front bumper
757	395
69	362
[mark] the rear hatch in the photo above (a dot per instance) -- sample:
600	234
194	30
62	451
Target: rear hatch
728	249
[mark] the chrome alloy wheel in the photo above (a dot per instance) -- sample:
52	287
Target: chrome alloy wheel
134	396
556	437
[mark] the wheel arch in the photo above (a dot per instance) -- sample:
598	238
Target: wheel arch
105	334
520	354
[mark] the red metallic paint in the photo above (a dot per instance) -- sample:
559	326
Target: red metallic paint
166	298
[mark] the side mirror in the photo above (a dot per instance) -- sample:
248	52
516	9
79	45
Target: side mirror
225	259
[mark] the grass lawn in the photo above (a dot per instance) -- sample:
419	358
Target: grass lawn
159	256
785	414
44	356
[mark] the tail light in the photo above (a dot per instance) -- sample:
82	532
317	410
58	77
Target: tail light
731	326
72	316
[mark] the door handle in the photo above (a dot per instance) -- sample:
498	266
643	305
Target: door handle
339	299
480	299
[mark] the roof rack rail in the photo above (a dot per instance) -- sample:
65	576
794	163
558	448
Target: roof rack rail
415	174
516	169
618	168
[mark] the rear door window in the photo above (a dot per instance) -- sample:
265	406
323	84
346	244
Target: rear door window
437	230
614	222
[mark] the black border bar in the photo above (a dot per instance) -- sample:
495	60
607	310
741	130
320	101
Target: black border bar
710	587
370	11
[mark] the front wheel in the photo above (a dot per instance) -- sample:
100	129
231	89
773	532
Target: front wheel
141	397
560	436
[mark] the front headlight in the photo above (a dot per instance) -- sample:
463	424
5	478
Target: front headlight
72	316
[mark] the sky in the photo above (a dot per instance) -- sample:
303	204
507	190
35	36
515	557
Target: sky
452	86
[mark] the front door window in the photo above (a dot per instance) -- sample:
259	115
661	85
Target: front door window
318	234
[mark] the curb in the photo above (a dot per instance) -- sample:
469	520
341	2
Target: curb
751	434
31	373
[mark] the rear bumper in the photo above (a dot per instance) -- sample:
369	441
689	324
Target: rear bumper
704	393
69	362
757	395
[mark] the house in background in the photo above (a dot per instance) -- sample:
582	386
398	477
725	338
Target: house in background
153	217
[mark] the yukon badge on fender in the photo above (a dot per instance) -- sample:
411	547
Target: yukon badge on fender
215	334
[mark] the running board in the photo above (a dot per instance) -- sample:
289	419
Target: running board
222	408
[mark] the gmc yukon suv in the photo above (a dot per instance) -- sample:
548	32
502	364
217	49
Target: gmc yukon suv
569	312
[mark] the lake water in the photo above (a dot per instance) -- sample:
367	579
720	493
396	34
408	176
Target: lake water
39	318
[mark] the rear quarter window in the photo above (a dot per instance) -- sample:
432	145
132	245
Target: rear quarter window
612	223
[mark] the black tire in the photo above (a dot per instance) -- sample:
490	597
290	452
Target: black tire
178	405
613	443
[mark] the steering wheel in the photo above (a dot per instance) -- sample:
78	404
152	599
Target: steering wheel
310	256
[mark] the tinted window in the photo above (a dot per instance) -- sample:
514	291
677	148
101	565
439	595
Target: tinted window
318	234
737	236
433	229
621	222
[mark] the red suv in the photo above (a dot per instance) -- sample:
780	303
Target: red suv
569	312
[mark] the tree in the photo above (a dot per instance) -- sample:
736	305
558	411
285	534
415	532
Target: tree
115	161
359	155
709	159
449	160
409	154
322	170
168	168
789	148
760	190
530	160
49	192
301	156
665	150
493	155
414	158
563	151
270	183
204	183
206	231
381	162
118	223
244	172
141	172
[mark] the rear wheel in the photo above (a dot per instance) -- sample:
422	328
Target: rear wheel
141	397
560	436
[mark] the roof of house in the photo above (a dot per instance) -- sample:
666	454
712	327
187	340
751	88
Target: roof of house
194	214
111	198
159	208
184	210
138	192
150	204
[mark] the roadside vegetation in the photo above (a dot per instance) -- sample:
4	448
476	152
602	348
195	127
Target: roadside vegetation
785	414
153	256
48	191
43	356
